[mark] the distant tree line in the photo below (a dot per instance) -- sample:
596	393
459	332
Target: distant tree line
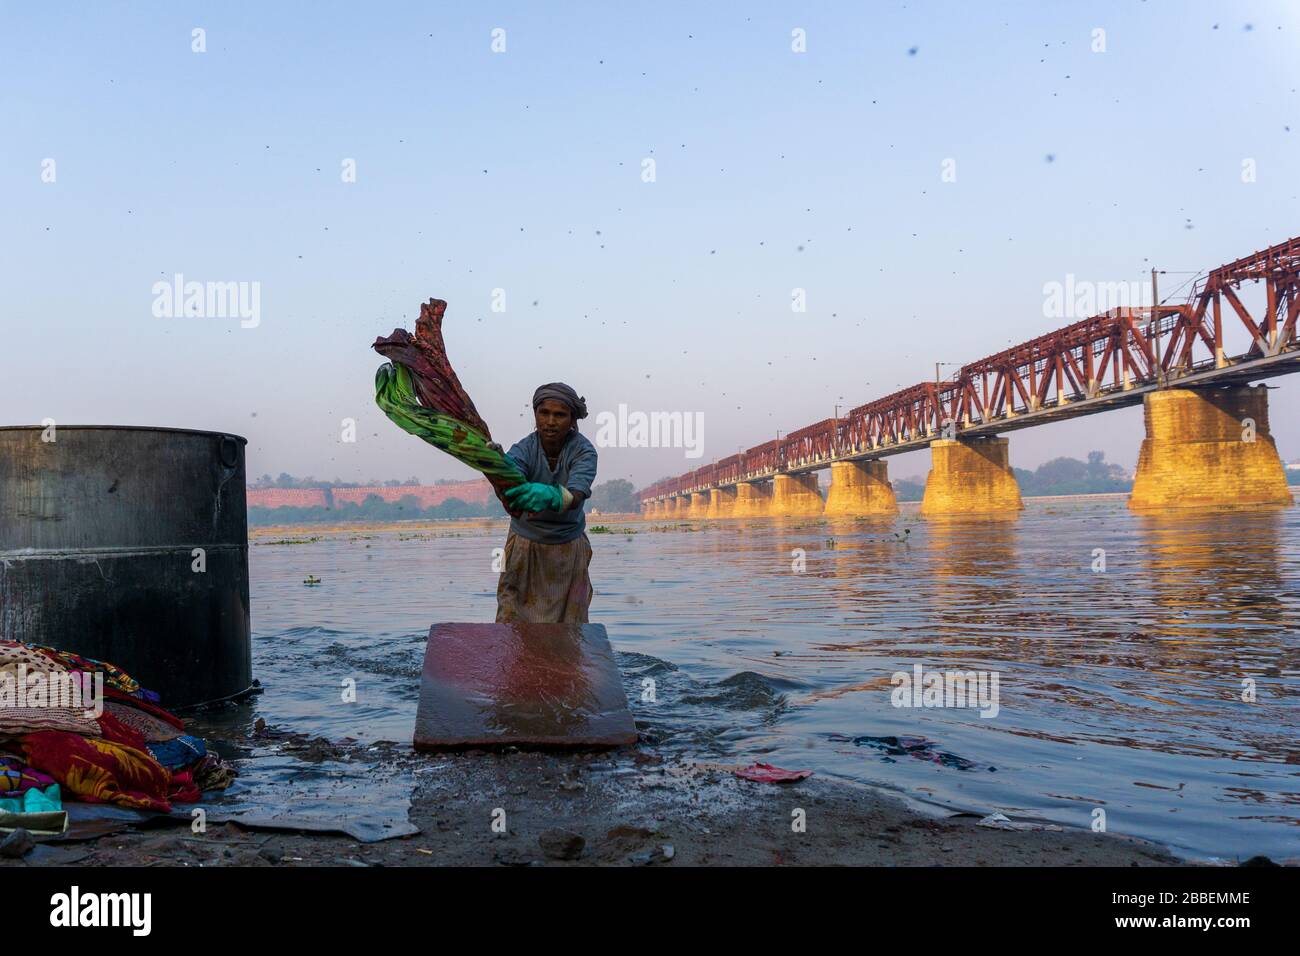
1060	476
616	496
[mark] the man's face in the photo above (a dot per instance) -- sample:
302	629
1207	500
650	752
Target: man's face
554	419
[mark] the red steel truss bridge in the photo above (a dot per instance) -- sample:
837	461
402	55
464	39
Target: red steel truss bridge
1105	362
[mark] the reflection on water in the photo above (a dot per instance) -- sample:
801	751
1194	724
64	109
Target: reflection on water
1120	689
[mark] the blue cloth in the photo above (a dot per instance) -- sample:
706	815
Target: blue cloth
576	471
35	800
178	752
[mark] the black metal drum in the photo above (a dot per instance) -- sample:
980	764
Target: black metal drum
130	545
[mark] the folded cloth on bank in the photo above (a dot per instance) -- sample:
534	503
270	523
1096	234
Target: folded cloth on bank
14	653
111	694
212	773
25	666
37	811
134	753
180	752
114	676
15	721
35	800
152	729
16	777
100	771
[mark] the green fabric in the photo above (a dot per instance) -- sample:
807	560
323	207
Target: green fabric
395	394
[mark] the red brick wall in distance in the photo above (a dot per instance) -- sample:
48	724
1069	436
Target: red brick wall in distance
472	492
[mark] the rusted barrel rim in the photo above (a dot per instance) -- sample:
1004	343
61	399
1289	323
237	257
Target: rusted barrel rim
126	428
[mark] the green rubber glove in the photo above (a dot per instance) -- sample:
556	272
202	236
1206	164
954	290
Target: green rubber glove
536	496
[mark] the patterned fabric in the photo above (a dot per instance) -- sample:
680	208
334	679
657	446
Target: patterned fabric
114	731
114	676
212	773
113	694
17	777
100	771
122	757
20	662
153	729
422	394
16	721
12	653
544	583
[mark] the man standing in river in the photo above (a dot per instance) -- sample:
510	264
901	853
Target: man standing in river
545	579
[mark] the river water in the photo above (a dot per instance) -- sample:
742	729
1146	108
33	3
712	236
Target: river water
1126	650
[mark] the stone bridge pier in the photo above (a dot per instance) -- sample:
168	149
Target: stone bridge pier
699	506
970	476
796	495
722	502
753	499
860	488
1208	448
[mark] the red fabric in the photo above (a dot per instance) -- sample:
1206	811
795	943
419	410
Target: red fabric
101	771
183	788
114	694
766	773
110	728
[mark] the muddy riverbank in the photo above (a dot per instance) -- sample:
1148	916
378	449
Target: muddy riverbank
632	808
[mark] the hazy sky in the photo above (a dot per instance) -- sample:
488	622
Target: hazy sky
522	171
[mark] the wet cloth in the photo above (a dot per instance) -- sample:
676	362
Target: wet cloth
113	762
544	583
767	773
183	789
421	393
575	469
917	747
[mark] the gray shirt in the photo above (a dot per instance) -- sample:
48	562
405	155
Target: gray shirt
576	471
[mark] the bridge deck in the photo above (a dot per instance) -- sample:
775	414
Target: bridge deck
1239	373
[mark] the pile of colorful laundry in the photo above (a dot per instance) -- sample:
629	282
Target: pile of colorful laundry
80	729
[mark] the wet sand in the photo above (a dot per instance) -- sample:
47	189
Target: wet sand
625	809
